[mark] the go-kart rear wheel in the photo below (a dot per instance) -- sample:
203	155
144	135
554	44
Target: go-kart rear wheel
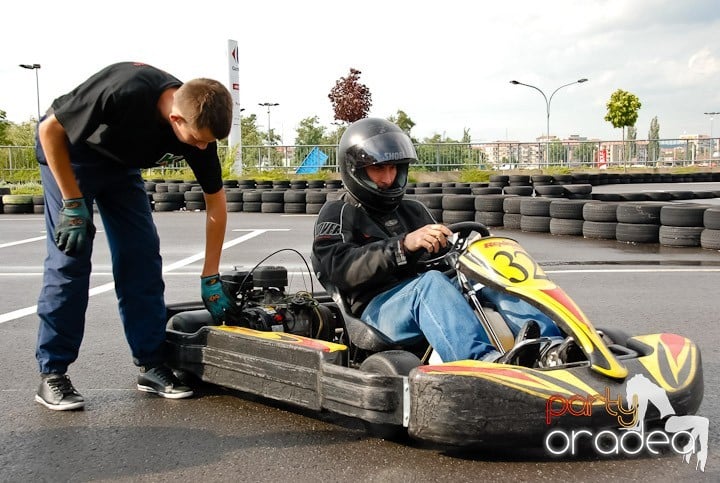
389	363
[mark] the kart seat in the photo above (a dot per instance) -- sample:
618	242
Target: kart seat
361	334
190	321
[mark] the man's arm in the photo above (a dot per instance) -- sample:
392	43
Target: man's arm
215	225
54	143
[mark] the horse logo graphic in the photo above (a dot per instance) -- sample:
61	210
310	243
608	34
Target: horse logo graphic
642	391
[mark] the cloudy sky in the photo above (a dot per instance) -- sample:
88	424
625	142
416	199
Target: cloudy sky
447	64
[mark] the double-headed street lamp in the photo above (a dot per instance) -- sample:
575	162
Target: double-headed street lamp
547	109
35	67
269	105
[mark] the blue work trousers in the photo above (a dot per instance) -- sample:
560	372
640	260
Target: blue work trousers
124	208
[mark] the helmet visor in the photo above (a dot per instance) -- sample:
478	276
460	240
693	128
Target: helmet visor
389	147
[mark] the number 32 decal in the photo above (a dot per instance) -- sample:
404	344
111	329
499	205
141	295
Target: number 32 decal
517	266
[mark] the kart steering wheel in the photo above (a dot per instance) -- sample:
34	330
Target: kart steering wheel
458	242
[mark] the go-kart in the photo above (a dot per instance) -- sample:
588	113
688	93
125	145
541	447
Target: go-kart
306	349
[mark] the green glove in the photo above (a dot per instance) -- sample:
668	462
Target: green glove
215	298
75	229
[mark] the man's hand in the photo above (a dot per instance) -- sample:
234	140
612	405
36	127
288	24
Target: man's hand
75	229
215	298
432	238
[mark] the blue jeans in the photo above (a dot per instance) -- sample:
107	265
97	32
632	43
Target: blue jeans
136	263
430	305
517	312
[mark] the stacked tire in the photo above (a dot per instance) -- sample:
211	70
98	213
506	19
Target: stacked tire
194	200
511	212
566	217
234	199
433	202
17	204
639	222
272	201
457	208
682	224
294	201
535	214
489	209
710	236
314	201
600	219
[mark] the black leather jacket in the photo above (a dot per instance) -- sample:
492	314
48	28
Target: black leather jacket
361	253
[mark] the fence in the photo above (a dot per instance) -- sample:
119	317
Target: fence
501	155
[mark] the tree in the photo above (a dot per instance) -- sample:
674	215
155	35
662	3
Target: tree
251	136
654	144
584	153
632	136
556	152
350	99
309	133
23	134
622	110
3	126
404	122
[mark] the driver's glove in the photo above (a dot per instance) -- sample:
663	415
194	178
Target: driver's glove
215	299
75	229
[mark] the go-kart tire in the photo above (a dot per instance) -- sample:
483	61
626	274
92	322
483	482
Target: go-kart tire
389	363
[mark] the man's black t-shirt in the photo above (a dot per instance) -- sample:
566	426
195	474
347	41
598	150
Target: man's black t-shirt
115	113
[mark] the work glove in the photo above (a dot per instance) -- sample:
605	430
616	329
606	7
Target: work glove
75	229
215	298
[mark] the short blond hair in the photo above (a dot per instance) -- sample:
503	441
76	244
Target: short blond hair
206	103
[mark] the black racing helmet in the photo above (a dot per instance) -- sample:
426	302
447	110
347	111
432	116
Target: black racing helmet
372	141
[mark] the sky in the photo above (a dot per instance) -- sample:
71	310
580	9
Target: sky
447	64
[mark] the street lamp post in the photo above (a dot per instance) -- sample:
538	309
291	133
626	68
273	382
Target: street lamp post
547	110
35	67
712	142
269	105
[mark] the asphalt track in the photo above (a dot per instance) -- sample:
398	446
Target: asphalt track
219	435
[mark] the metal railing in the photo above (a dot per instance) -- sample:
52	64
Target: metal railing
500	155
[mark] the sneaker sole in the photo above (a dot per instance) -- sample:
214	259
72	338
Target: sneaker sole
166	395
60	407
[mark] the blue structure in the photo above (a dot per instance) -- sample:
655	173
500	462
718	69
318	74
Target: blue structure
312	162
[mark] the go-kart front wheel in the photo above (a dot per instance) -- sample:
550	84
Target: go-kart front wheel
389	363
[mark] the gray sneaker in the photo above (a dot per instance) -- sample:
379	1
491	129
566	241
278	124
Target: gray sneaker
160	380
56	392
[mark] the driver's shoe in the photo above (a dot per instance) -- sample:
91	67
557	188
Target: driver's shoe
160	380
531	330
56	392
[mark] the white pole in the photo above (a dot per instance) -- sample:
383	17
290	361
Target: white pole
235	138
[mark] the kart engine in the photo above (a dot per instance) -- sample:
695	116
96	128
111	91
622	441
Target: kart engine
264	305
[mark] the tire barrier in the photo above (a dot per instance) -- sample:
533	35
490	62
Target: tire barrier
561	205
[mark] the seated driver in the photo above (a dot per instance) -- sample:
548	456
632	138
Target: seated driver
368	245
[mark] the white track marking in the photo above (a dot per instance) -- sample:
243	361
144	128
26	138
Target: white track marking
20	242
16	314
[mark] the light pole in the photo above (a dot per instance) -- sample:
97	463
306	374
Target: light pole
269	105
337	130
712	143
547	110
35	67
